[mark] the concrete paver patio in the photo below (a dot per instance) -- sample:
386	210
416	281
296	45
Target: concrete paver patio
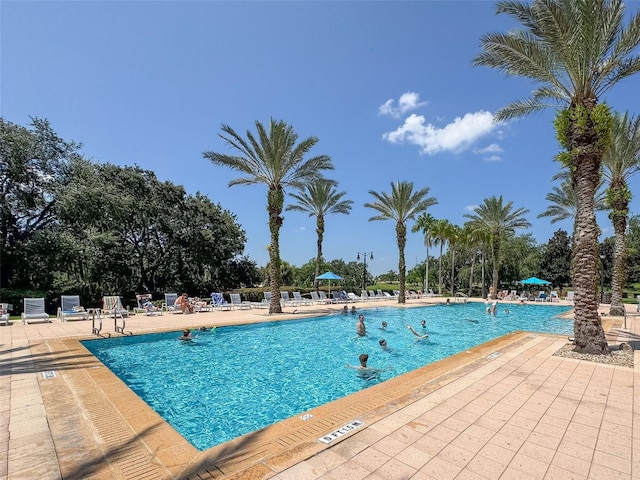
508	409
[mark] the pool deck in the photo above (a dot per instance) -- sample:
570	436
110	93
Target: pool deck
507	409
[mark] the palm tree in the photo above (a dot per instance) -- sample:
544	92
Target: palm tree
401	205
620	162
440	232
564	201
474	239
575	50
319	199
424	223
455	239
496	218
275	159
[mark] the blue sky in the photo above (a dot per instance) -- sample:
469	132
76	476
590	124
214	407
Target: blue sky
387	87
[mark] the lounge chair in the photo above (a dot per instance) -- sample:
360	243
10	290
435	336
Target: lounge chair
542	297
70	309
4	314
297	297
112	307
169	304
364	295
315	298
287	301
569	297
638	307
324	298
353	297
145	306
553	296
219	303
236	302
34	310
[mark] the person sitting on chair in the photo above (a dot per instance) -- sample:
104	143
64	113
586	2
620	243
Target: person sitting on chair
182	302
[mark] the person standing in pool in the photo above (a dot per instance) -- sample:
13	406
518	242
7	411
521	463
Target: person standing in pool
186	335
345	310
361	329
363	370
419	335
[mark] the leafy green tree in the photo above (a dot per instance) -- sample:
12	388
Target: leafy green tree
621	161
556	260
32	163
575	50
496	219
318	199
424	223
632	239
440	230
275	159
401	205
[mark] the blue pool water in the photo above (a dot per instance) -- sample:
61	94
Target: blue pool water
234	380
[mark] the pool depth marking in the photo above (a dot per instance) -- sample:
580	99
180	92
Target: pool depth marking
330	437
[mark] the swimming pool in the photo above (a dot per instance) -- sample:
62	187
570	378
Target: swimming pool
234	380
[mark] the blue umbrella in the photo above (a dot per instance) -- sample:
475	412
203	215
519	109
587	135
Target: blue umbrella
534	281
329	276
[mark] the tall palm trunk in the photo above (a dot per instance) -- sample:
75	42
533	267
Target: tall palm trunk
473	263
401	237
588	332
495	251
619	219
453	265
426	272
320	233
440	271
275	201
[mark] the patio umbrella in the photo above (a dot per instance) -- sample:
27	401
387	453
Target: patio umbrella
329	276
534	281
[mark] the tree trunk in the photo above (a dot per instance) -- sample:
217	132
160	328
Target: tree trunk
320	232
587	327
426	272
473	262
619	220
440	271
401	238
275	201
495	252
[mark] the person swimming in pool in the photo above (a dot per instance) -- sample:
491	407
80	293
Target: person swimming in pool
345	310
353	310
186	335
363	370
361	329
419	335
423	323
383	326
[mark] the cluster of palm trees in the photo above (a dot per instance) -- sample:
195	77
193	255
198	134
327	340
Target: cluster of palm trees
574	51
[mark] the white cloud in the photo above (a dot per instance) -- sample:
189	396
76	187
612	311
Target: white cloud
493	148
492	158
408	101
471	208
457	136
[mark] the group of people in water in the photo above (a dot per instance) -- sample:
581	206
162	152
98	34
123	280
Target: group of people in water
361	330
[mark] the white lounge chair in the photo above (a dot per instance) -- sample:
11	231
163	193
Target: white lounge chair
315	298
219	303
542	297
297	297
287	301
169	304
34	310
324	298
70	309
145	306
4	314
569	297
112	306
236	302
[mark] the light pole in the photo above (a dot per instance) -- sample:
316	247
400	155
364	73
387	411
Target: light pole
601	278
364	267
